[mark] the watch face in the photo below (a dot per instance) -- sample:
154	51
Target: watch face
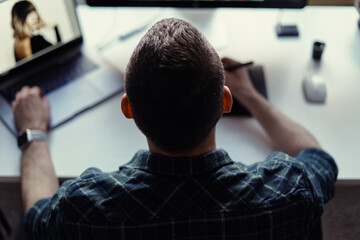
22	139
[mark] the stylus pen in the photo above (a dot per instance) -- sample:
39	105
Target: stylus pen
236	66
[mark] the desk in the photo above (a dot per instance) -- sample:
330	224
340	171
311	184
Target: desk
104	138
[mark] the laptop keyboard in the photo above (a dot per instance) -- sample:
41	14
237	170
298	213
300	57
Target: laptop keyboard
53	77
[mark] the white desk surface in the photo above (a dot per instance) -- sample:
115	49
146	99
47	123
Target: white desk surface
104	138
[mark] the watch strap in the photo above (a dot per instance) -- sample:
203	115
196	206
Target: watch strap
25	138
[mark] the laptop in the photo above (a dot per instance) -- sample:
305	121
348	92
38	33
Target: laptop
73	77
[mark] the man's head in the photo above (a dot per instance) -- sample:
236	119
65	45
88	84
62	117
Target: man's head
174	84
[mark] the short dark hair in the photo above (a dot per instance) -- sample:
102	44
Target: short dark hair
174	83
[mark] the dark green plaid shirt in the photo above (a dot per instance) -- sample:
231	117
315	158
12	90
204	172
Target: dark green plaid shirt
206	197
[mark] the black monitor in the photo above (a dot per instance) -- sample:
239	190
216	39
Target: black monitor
202	3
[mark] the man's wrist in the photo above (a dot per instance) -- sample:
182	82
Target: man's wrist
28	136
247	98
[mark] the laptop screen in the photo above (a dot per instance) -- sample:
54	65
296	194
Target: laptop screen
30	29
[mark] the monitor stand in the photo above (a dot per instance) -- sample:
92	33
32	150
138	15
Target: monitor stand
208	21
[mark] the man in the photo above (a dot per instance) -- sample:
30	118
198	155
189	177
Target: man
183	187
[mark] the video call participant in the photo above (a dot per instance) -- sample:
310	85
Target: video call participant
27	25
184	187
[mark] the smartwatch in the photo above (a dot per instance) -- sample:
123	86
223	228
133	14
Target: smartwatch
25	138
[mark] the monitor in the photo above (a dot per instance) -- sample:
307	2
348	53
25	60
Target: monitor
202	3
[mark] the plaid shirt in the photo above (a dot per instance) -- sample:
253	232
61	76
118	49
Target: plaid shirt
206	197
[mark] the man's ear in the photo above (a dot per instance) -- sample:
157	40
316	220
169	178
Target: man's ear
227	100
125	106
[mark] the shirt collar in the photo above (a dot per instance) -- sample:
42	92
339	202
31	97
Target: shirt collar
155	163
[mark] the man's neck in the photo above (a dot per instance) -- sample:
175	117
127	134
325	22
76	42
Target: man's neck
208	145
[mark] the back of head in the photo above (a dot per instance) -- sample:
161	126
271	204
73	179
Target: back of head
174	82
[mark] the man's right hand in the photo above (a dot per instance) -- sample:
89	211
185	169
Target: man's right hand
31	109
285	134
238	81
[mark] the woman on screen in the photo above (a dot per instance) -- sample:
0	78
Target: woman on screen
27	25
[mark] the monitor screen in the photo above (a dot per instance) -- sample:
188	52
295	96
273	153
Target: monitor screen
202	3
31	29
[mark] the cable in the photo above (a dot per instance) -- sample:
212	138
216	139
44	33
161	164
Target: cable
280	14
125	36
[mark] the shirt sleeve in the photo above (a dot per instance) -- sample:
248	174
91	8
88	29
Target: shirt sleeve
322	172
46	218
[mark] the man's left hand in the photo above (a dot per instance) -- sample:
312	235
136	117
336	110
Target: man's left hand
31	109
